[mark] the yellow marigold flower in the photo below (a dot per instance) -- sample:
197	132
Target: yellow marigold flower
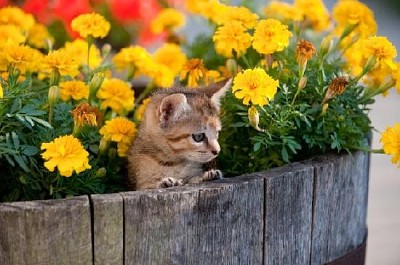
62	62
93	24
210	9
378	76
169	19
131	57
11	35
396	77
348	13
67	154
254	85
161	74
23	58
171	56
283	11
390	140
240	14
119	130
1	91
39	36
195	72
139	113
230	37
74	89
314	12
16	16
117	95
381	49
271	36
79	49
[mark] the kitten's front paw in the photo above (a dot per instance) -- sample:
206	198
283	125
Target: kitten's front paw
212	174
169	182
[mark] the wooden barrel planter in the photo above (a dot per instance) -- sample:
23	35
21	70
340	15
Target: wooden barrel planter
313	212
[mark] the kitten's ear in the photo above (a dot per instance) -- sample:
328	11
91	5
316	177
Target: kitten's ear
221	88
172	107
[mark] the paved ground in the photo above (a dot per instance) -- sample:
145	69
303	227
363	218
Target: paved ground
384	189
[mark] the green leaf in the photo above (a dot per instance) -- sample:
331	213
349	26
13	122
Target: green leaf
21	163
30	150
256	146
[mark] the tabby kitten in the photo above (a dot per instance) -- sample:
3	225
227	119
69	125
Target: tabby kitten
177	138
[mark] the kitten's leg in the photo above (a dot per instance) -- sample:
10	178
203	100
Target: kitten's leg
169	182
212	174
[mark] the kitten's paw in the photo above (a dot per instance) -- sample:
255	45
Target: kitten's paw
169	182
212	174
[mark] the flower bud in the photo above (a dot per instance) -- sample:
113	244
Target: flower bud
254	118
106	49
302	82
54	95
103	146
96	82
326	46
101	172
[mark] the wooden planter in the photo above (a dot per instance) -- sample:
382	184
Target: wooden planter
312	212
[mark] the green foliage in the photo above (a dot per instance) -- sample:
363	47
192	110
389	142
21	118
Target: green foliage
24	127
296	128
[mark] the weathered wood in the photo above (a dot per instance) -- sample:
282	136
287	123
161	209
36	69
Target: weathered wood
340	205
288	214
304	213
46	232
230	222
216	223
108	225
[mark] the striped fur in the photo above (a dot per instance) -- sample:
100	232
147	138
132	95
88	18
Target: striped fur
165	152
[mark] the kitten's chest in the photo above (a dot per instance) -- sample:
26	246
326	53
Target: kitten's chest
181	171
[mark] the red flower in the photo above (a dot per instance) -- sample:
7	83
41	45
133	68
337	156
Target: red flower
40	9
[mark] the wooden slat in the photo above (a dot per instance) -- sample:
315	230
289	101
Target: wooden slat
340	205
159	225
230	222
46	232
108	237
288	214
214	223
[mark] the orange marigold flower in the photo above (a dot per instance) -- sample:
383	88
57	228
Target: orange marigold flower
84	114
336	87
304	51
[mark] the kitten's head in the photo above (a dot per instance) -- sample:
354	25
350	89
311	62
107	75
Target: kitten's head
188	121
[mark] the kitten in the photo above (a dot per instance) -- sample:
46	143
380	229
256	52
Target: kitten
177	138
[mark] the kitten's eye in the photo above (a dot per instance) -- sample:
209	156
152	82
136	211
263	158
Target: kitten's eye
198	137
